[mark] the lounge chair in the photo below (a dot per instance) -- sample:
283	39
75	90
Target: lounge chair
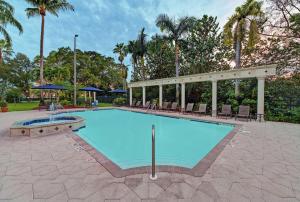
174	106
153	106
226	111
59	106
189	107
202	109
147	105
165	105
244	112
138	104
133	103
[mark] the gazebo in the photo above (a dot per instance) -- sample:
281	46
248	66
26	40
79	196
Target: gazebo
259	72
49	87
90	89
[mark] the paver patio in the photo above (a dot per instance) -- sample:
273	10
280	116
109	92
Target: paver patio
261	163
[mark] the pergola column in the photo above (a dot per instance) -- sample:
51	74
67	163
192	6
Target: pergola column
144	95
94	96
182	96
214	98
130	96
260	98
160	96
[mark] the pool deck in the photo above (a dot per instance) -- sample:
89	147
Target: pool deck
260	163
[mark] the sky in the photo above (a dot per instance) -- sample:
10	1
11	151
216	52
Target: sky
101	24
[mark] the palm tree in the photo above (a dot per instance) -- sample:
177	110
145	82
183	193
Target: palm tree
122	51
242	27
7	18
141	45
175	31
132	49
41	7
5	49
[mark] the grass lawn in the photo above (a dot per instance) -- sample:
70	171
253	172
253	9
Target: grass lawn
23	106
104	104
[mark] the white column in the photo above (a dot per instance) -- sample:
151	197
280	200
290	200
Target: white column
182	96
85	96
94	96
261	97
160	96
130	96
214	98
144	95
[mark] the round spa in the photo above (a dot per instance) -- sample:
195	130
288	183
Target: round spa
47	126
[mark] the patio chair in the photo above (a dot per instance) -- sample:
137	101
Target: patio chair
133	103
165	105
153	106
59	106
202	109
147	105
189	107
226	111
174	106
244	112
138	104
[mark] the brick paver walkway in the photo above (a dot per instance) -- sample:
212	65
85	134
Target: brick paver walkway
261	163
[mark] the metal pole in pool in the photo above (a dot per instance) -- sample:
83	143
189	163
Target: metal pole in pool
153	175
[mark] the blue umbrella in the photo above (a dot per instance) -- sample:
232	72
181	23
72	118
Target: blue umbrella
118	91
49	87
91	89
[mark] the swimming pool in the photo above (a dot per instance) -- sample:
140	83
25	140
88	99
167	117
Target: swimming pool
125	137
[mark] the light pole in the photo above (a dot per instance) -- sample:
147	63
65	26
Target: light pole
75	73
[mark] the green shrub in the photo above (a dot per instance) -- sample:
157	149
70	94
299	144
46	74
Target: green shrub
119	101
13	95
65	102
3	104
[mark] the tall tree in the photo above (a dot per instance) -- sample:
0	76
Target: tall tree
40	8
20	73
122	51
133	50
241	28
7	18
142	50
283	19
204	51
175	31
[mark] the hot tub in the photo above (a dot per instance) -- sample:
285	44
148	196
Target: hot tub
47	126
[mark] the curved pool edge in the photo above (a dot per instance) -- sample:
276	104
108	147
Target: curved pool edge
197	171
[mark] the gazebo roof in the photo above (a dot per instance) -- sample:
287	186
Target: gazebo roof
91	89
118	91
49	87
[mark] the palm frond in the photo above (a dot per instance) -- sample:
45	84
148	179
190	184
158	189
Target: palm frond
32	12
6	36
228	27
35	3
7	17
7	6
253	34
165	23
62	5
183	26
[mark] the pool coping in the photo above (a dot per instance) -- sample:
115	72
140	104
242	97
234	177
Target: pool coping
197	171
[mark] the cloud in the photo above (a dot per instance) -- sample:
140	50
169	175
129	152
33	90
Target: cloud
103	23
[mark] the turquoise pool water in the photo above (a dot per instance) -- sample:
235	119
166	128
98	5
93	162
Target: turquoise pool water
125	137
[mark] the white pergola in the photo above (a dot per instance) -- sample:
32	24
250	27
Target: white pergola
260	72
